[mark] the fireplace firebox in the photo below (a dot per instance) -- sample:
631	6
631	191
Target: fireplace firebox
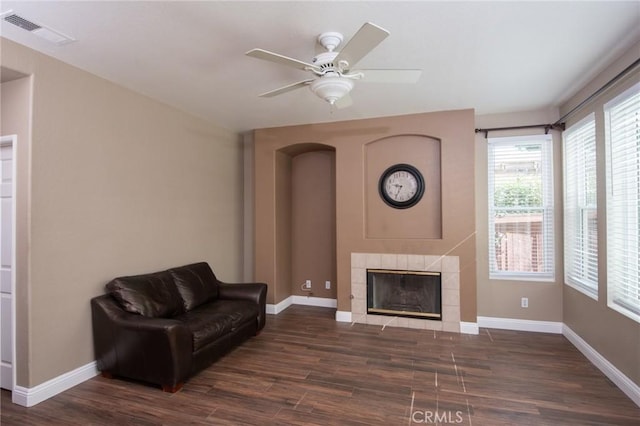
410	294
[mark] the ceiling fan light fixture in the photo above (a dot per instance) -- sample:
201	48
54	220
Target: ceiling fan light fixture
331	88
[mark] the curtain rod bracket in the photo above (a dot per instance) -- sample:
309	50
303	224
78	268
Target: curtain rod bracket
485	131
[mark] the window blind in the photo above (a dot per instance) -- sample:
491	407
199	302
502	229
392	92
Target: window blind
521	208
622	120
580	207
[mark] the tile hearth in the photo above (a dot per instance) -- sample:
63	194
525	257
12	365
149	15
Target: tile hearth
448	266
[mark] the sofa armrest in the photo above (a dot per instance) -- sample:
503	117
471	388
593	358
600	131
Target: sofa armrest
254	292
155	350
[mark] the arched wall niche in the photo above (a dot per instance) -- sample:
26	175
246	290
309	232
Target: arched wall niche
306	220
305	147
422	221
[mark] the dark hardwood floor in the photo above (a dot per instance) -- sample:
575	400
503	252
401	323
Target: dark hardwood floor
306	369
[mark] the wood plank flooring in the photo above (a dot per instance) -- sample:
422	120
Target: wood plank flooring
307	369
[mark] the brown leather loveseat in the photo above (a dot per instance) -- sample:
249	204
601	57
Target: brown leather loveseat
165	326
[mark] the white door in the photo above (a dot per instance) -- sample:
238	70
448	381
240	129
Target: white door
6	261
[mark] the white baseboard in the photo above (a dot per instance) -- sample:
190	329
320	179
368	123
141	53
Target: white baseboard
469	327
343	316
276	309
301	300
616	376
28	397
520	325
6	375
315	301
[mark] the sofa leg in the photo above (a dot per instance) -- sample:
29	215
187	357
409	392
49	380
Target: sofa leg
172	389
106	374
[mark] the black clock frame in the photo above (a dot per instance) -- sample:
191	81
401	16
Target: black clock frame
401	204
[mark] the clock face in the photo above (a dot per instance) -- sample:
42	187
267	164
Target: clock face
401	186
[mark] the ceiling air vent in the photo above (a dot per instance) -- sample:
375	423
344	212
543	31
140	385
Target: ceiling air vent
21	22
41	31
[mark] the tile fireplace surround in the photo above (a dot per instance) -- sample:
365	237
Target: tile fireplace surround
448	266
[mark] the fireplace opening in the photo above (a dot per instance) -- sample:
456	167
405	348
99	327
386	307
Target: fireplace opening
404	293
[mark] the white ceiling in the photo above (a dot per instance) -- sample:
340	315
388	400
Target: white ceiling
492	56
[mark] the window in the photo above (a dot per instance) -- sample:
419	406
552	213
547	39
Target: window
622	130
521	208
580	202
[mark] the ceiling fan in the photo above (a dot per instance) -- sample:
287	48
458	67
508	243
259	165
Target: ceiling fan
333	72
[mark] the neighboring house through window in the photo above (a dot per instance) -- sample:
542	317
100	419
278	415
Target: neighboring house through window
521	208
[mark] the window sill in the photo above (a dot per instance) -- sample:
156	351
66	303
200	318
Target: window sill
523	277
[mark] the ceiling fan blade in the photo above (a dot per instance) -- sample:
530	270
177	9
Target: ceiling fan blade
390	76
280	59
285	89
367	37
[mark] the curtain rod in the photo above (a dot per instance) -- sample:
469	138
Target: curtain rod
546	127
598	92
560	124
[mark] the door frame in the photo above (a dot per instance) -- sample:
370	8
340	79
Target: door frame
13	141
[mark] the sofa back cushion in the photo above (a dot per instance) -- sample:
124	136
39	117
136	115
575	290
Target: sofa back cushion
152	295
196	283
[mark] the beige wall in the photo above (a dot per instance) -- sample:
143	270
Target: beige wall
120	184
15	117
349	139
613	335
313	234
501	298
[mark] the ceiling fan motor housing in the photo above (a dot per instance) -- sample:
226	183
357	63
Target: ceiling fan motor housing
325	62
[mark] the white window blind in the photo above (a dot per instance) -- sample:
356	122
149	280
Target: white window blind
622	119
580	207
521	208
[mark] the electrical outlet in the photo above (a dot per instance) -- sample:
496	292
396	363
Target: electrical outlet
524	302
327	285
307	284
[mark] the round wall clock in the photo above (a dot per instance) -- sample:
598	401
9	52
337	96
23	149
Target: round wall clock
401	186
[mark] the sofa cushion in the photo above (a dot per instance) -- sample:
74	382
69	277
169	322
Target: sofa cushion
151	295
240	311
196	283
206	327
213	320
